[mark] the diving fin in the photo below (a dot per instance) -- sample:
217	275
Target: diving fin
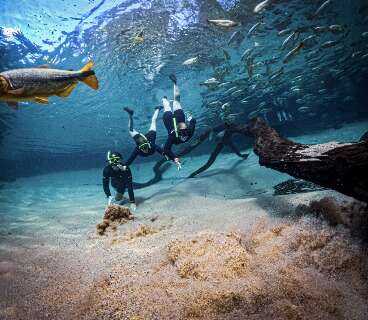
67	91
12	104
91	79
42	100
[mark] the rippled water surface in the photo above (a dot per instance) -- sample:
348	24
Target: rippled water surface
323	85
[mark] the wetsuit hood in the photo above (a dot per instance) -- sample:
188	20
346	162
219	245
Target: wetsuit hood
113	158
143	143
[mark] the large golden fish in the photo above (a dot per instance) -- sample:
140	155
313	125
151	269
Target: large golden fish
37	84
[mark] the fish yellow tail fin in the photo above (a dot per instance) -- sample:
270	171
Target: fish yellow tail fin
87	67
91	79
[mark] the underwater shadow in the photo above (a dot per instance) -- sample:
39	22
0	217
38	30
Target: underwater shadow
276	206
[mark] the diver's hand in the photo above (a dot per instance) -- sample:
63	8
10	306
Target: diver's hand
121	167
178	163
189	116
132	207
109	200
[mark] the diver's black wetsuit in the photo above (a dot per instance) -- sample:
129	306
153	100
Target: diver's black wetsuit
151	137
120	180
172	138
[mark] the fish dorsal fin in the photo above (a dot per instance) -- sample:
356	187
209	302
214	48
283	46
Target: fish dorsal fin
87	67
42	100
44	66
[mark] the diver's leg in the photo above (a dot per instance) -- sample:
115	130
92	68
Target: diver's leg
166	104
132	132
119	195
131	191
153	126
168	115
176	103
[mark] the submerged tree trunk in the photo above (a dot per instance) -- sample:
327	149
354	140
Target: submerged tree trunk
342	167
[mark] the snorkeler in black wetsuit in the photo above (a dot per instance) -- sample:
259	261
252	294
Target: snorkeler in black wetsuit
145	144
121	179
178	129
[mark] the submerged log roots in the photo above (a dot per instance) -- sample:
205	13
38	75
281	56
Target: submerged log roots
341	167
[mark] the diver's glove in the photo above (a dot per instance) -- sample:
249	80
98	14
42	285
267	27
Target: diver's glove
132	207
121	167
109	200
178	163
189	116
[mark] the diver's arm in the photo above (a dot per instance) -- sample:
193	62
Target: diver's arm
162	152
106	182
167	149
132	157
191	127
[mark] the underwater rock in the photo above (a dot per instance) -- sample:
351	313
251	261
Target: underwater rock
114	214
293	186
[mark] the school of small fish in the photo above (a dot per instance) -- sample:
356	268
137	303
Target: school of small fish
304	68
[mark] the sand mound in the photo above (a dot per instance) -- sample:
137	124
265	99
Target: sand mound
304	269
353	215
290	266
141	232
114	215
210	256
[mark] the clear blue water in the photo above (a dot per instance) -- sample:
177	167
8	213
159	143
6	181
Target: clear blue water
77	131
51	157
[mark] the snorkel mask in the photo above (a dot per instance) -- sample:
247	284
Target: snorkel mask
143	144
113	158
144	147
183	134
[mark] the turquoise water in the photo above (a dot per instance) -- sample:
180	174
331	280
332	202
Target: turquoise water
53	264
328	81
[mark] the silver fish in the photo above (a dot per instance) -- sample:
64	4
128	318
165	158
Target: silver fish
336	28
259	7
253	29
246	54
323	5
190	61
293	53
329	44
223	23
236	37
320	29
282	32
293	37
226	55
